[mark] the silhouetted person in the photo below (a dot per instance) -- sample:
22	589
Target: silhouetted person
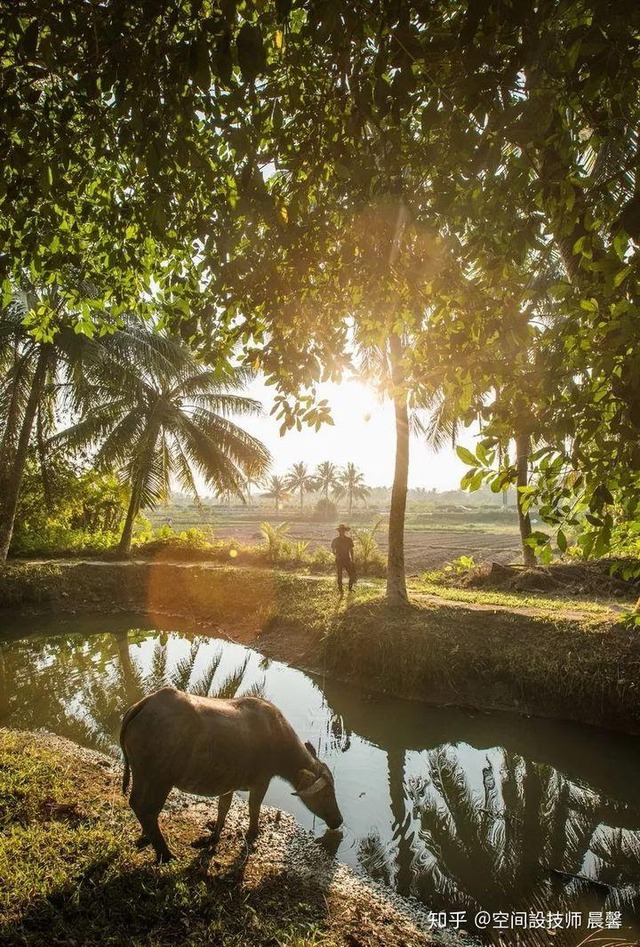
342	548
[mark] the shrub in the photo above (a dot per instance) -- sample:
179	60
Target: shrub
322	559
368	556
275	539
325	510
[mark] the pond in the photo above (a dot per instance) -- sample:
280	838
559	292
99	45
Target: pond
464	811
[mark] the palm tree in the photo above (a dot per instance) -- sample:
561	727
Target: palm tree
33	372
299	479
253	478
326	478
171	420
276	490
351	483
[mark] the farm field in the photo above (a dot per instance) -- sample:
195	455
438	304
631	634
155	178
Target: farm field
426	547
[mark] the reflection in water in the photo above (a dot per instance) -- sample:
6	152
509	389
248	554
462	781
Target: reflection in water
485	850
373	856
531	840
465	812
82	689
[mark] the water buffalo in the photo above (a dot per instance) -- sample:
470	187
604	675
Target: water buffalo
211	747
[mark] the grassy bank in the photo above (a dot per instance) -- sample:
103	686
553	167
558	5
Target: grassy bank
71	873
582	667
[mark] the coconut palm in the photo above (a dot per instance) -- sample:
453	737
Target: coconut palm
35	374
299	480
326	478
253	478
171	420
351	484
276	491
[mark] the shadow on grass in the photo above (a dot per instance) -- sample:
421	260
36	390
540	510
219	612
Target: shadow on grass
226	896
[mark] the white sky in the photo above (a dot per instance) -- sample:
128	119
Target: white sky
363	433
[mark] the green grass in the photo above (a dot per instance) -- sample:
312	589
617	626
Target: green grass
515	600
71	874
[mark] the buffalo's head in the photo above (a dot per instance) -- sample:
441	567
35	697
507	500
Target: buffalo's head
316	788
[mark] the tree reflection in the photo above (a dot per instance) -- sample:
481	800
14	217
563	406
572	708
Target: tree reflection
373	856
81	687
495	848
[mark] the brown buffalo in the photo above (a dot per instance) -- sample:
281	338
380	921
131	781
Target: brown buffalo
211	747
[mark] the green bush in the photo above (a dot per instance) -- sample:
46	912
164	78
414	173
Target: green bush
325	510
322	559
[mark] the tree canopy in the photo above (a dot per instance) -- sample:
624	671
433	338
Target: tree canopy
454	185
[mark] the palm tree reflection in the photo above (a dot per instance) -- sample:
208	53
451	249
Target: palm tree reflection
497	848
81	689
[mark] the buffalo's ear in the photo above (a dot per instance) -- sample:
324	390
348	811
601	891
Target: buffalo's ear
309	746
303	780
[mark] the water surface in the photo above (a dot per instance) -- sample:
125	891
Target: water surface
462	811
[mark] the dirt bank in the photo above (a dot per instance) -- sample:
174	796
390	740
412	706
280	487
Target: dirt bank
71	873
559	665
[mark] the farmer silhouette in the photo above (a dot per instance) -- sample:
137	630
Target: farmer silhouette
342	548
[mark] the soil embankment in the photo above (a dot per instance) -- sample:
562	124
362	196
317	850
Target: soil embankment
564	665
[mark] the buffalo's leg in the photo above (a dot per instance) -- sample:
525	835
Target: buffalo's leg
147	804
224	802
216	825
256	796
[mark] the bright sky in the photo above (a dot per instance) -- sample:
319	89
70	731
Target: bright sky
363	433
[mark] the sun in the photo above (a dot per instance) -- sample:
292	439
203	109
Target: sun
352	402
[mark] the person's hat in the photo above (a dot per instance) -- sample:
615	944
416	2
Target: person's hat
343	529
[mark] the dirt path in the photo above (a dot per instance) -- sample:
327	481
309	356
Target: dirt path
564	614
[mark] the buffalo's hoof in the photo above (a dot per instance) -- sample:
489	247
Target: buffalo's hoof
163	857
205	841
142	842
251	836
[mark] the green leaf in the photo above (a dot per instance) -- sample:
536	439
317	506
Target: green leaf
252	58
467	457
621	275
561	540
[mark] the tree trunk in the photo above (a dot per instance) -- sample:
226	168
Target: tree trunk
301	494
396	580
42	457
131	682
124	546
13	467
404	854
523	443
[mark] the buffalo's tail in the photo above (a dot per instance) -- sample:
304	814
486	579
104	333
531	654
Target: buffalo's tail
126	720
126	775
